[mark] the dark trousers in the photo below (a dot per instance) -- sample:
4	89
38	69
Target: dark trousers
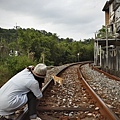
31	103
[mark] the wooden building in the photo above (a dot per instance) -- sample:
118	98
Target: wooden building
107	50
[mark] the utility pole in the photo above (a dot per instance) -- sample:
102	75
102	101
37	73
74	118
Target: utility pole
106	46
78	56
17	27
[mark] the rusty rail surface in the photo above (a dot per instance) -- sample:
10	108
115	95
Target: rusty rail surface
24	115
109	115
107	74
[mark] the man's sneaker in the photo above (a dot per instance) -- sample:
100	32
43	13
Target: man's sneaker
10	117
3	118
36	118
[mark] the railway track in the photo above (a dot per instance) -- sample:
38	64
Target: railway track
74	101
105	85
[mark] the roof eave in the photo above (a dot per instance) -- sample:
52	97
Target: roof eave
106	6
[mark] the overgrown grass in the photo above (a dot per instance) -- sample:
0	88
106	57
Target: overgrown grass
4	75
13	65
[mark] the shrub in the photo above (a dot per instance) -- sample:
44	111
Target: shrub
16	63
4	74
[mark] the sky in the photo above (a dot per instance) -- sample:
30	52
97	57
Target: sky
76	19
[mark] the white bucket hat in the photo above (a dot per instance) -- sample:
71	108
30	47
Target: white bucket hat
40	70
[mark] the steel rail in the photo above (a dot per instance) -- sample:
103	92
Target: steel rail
105	73
107	112
24	115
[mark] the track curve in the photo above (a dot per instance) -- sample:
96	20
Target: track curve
72	102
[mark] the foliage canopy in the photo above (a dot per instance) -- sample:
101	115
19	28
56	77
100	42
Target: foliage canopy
33	46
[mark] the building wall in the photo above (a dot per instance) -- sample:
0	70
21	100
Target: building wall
117	17
112	16
109	57
113	61
107	18
111	13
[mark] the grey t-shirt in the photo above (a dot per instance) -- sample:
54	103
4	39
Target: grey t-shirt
13	94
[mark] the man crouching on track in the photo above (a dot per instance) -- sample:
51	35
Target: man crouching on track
22	88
